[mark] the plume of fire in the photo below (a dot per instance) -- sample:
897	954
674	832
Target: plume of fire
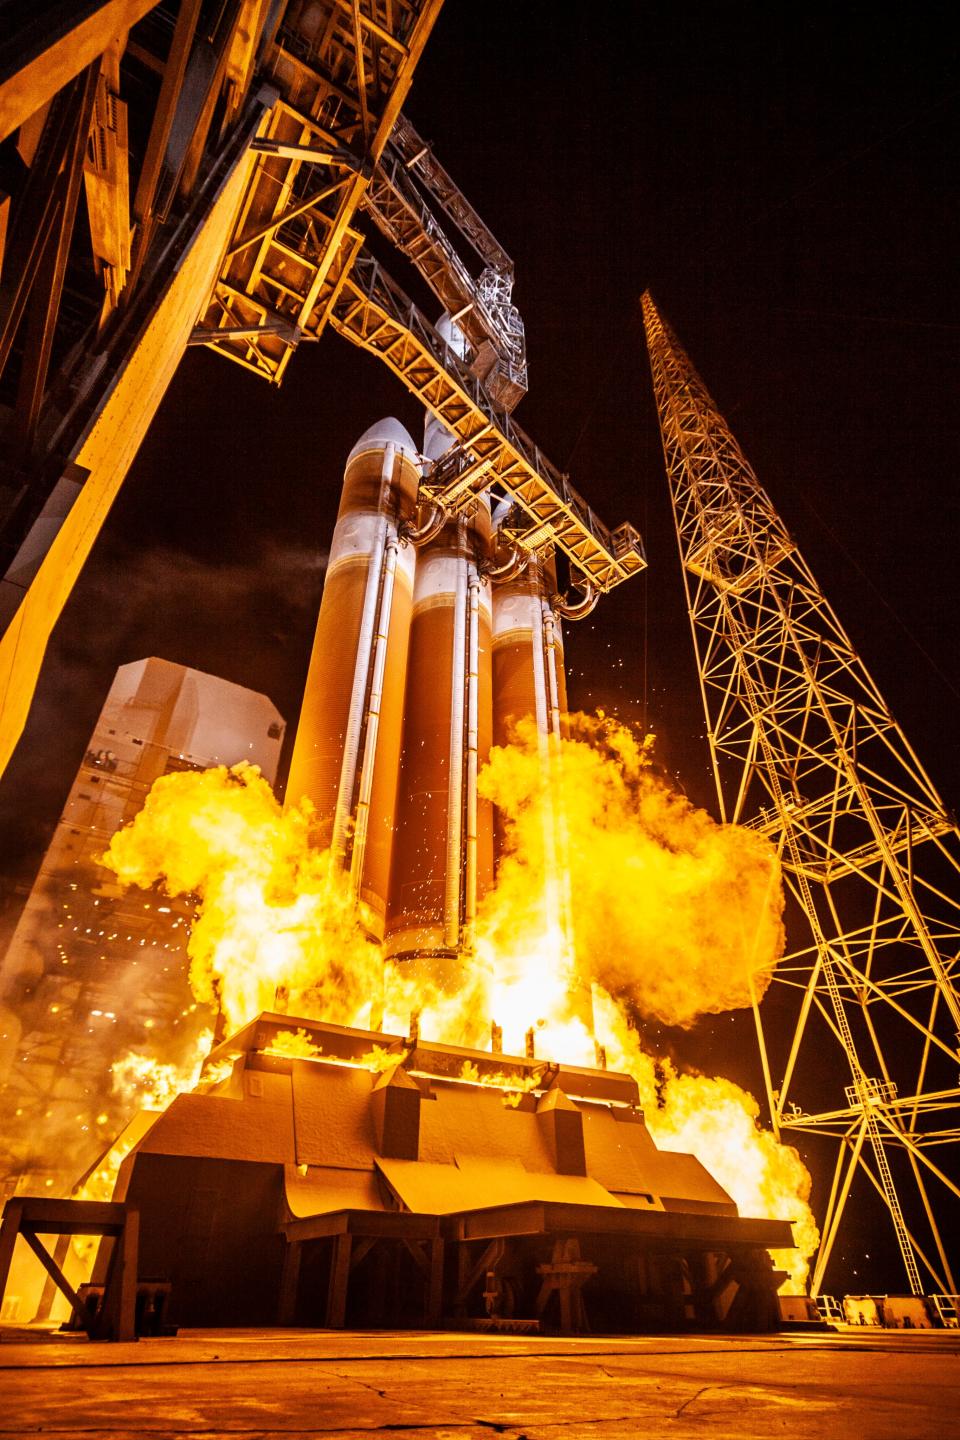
300	1045
674	916
295	1043
514	1087
272	913
144	1082
381	1058
718	1122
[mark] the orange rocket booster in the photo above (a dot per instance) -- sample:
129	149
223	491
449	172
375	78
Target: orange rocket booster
433	638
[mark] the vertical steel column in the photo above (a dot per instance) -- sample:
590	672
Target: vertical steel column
351	746
473	740
373	714
549	623
554	880
454	859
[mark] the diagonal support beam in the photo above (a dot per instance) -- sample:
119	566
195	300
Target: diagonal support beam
45	299
170	90
45	51
37	213
58	1277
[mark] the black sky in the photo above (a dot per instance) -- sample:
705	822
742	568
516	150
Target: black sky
783	179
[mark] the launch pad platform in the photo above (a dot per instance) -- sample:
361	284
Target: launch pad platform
373	1180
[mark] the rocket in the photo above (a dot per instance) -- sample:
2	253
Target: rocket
434	637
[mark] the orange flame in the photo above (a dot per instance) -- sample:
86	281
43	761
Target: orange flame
294	1043
616	897
142	1080
675	914
272	912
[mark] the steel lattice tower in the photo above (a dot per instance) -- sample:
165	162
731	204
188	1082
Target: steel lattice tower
805	750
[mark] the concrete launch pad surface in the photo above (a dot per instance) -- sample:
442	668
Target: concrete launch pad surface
463	1387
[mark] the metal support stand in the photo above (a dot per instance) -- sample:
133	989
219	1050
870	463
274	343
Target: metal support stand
565	1277
29	1216
339	1281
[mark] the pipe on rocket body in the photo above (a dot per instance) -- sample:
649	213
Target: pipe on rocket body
550	650
458	677
473	742
374	705
577	609
429	530
355	715
509	569
541	697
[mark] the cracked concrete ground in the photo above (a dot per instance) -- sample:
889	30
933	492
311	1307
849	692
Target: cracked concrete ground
296	1383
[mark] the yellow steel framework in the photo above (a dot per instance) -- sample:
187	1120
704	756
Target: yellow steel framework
805	750
489	322
374	313
341	73
268	127
246	111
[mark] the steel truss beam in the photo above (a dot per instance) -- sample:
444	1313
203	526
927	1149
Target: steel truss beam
338	74
418	157
341	74
482	309
375	314
805	749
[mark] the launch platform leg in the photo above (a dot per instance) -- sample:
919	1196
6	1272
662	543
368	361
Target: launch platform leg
339	1281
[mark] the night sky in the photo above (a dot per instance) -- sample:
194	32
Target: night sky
783	179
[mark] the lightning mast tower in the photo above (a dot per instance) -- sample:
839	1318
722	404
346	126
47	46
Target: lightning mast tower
805	750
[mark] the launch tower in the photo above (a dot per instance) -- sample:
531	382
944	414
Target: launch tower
805	750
